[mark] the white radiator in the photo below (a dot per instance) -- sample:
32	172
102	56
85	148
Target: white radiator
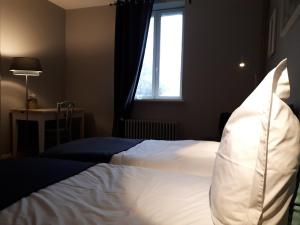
147	129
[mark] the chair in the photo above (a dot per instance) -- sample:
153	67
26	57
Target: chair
61	131
64	120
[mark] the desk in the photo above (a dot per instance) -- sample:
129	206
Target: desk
40	116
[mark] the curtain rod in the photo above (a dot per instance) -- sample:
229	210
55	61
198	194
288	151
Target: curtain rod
115	3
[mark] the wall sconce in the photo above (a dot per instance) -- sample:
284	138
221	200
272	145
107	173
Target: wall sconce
242	65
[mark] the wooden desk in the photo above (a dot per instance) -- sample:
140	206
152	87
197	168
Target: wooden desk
40	116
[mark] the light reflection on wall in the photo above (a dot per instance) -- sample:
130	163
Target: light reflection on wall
14	93
14	96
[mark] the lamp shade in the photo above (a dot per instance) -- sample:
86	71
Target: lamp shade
25	66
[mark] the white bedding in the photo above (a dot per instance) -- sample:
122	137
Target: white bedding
190	157
116	195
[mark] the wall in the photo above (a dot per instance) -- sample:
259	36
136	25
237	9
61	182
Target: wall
218	34
0	66
31	28
288	47
89	62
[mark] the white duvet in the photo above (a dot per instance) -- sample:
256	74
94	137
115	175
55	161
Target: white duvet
116	195
190	157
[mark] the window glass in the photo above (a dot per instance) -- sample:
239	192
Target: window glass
164	53
170	56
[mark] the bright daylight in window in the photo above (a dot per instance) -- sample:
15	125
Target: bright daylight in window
161	72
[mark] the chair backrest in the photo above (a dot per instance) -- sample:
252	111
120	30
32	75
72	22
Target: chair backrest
64	117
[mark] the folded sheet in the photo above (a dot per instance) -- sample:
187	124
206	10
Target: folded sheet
190	157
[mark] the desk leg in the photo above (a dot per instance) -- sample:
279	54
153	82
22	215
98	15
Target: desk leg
41	124
82	127
15	135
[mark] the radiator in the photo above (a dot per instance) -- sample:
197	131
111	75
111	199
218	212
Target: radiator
147	129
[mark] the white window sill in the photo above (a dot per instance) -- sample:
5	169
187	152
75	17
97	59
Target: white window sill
178	100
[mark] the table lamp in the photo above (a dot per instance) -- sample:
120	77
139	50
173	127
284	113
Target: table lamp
28	67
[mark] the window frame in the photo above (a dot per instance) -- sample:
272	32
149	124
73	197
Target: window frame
159	11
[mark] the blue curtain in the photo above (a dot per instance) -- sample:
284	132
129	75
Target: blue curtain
131	30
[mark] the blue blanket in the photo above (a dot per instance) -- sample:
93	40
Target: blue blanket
19	178
98	150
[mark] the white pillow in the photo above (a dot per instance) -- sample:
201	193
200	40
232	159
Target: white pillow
257	161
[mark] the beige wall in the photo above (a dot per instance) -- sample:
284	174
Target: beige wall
217	35
288	46
1	8
32	28
89	62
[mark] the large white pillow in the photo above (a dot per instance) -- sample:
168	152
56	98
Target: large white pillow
257	161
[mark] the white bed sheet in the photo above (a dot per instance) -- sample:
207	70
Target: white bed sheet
116	195
189	156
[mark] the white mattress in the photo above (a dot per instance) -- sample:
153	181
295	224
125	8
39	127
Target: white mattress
190	157
116	195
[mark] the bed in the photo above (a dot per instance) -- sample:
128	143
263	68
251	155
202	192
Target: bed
114	194
51	191
180	156
99	191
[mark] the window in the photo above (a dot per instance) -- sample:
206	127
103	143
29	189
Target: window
161	72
